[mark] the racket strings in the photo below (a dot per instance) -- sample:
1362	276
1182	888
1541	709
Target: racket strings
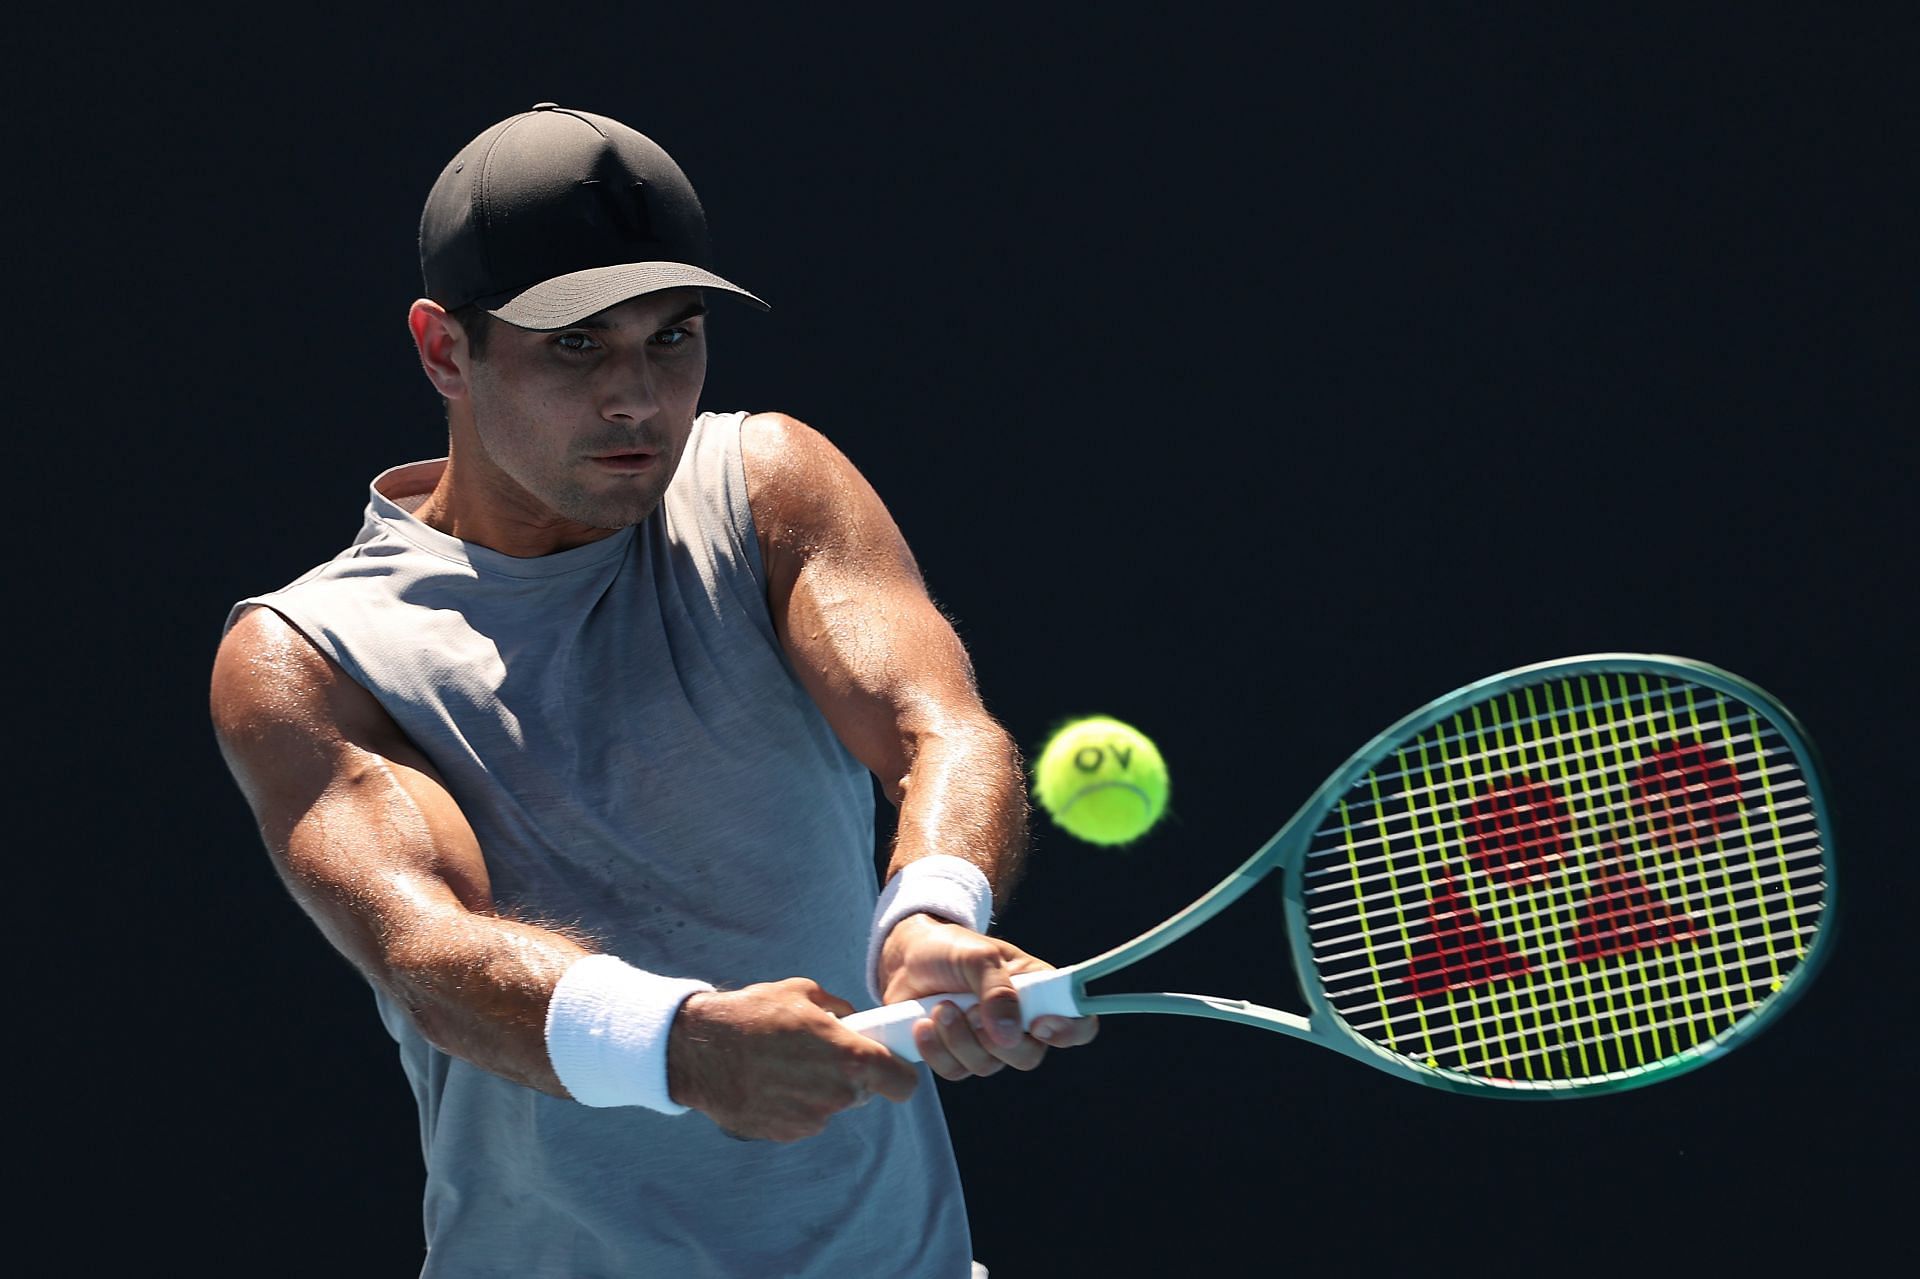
1377	877
1437	795
1565	985
1789	800
1466	745
1567	881
1599	1050
1537	927
1554	740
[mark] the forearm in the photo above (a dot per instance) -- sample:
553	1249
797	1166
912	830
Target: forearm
478	986
965	796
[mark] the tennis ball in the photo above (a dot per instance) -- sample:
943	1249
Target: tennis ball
1101	780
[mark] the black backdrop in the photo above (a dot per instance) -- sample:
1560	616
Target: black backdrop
1253	380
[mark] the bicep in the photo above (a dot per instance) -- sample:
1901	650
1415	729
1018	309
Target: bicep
849	603
358	825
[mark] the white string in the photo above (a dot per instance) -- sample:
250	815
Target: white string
1710	701
1432	869
1512	926
1720	1013
1511	735
1337	853
1561	975
1604	989
1343	835
1383	906
1573	1047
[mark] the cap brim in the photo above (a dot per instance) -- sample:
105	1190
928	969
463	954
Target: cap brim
569	299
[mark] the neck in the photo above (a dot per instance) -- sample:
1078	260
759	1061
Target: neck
477	503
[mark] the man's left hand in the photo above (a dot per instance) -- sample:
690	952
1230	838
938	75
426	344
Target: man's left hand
926	956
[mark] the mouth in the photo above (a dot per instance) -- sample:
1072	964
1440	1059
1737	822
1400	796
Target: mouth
627	460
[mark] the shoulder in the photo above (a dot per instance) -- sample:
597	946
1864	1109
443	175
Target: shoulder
781	453
812	507
800	486
263	662
272	687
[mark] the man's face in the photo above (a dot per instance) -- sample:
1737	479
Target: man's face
586	424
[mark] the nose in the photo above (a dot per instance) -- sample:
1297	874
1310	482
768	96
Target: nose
626	392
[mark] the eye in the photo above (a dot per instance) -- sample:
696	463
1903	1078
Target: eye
678	335
575	343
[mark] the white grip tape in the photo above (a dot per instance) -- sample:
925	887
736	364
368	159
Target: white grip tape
1042	994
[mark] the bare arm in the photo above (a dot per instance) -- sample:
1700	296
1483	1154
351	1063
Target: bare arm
370	844
878	658
890	675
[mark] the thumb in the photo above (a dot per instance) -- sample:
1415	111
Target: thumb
831	1002
887	1075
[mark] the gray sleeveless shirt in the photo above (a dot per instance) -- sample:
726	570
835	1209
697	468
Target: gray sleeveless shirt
620	726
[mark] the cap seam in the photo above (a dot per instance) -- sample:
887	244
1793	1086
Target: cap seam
483	191
582	118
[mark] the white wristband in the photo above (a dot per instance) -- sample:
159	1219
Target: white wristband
607	1027
951	887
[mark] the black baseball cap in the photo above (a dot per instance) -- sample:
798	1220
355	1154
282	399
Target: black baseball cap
554	214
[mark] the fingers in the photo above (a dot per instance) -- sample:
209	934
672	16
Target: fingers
996	1024
869	1068
951	1048
924	956
932	955
881	1074
778	1063
1065	1032
957	1045
998	1014
983	965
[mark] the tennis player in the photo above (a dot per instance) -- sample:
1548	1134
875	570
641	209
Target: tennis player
569	753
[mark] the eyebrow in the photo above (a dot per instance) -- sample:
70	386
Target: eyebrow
602	320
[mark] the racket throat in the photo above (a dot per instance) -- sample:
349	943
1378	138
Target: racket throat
1242	1011
1053	993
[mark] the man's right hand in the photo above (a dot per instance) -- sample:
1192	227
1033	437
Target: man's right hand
772	1061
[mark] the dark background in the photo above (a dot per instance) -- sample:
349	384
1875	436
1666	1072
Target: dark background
1252	379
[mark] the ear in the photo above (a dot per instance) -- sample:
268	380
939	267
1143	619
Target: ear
442	345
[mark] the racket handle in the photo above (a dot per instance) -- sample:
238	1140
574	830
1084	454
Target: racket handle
1043	994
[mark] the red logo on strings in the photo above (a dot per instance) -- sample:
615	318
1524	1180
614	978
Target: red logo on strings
1687	794
1518	831
1459	951
1622	915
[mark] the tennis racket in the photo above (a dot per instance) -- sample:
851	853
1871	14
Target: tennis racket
1576	877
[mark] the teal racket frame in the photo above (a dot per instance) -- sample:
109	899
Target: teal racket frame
1287	849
